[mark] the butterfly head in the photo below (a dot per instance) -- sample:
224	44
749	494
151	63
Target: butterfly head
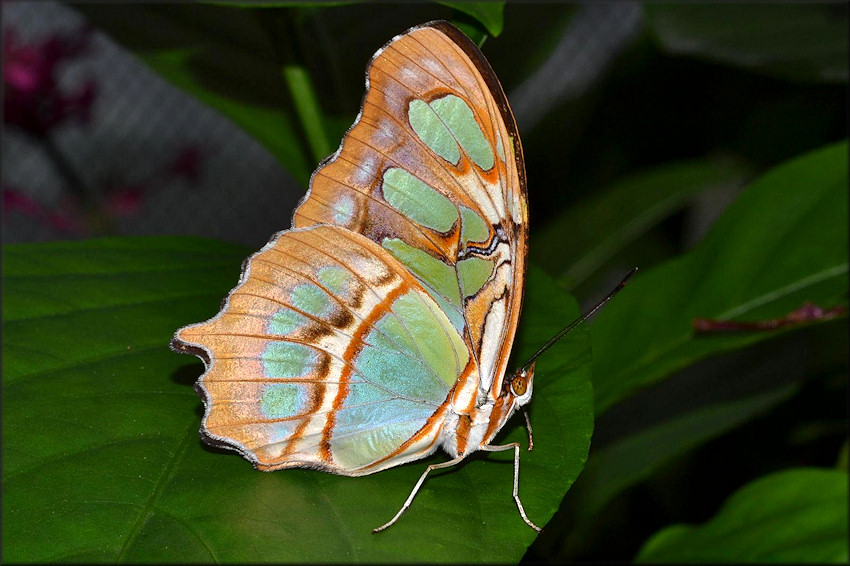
519	385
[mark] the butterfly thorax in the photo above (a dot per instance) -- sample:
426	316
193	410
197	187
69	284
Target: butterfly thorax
465	430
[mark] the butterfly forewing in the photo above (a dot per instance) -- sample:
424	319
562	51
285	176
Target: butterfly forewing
432	171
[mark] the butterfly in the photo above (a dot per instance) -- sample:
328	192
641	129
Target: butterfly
378	329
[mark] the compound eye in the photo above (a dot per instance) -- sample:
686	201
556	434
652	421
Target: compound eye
519	385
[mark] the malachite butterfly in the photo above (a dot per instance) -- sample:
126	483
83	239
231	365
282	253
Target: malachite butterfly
378	329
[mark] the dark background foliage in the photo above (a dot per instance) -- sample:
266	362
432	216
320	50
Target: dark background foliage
642	124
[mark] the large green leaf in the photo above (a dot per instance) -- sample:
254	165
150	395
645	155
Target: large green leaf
102	460
783	241
603	225
792	516
794	41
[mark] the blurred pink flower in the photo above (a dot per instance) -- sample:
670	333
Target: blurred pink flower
16	200
125	201
34	102
68	222
188	163
32	99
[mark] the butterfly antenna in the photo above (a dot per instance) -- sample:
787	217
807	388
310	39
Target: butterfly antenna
580	319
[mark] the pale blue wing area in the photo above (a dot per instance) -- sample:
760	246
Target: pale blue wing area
312	305
399	374
289	359
394	393
365	433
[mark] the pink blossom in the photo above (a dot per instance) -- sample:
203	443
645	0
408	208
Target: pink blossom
32	99
187	163
68	222
125	201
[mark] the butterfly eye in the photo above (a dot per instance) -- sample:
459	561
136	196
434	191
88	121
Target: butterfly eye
519	385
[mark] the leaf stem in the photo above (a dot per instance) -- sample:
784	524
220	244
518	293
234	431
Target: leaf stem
307	108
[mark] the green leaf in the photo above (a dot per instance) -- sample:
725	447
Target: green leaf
629	460
490	14
604	224
805	42
782	242
102	460
222	56
794	516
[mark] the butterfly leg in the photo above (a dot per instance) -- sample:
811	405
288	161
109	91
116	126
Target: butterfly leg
515	446
528	428
416	487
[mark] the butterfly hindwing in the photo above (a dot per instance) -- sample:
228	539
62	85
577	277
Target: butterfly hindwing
327	354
